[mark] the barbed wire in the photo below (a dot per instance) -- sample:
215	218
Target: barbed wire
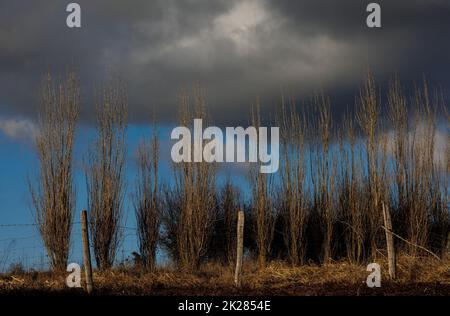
18	238
32	254
17	225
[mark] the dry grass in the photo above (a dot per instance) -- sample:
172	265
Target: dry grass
416	276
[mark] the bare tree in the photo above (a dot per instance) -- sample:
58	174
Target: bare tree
262	203
447	189
105	174
350	198
53	196
398	115
147	202
367	116
191	207
294	202
447	114
229	208
325	176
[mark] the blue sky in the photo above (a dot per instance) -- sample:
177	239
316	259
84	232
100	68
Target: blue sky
18	161
19	237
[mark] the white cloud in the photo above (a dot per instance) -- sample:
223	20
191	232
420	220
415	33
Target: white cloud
239	25
18	129
420	137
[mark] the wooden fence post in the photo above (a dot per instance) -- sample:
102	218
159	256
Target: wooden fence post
86	252
389	241
240	248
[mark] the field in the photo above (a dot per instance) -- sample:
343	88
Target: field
421	277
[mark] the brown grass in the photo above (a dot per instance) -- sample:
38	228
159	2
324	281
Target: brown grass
422	276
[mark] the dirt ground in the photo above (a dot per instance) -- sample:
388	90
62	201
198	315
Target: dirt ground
421	277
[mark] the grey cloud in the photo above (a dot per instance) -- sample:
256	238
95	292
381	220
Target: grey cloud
237	49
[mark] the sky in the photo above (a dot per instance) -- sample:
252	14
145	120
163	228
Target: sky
236	50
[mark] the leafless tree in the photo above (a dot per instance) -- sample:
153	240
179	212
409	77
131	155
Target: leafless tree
325	175
229	208
191	207
294	202
105	173
262	203
53	196
367	116
147	202
350	197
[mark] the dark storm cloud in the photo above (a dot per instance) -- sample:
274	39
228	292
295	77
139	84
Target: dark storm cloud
413	37
236	49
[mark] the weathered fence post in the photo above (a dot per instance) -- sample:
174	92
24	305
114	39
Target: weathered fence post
389	241
240	248
86	252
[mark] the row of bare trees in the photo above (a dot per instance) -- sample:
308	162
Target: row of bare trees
372	164
53	194
337	185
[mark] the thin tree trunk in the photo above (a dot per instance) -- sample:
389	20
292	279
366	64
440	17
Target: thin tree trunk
86	252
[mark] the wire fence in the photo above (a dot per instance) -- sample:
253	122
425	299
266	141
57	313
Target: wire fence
22	248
